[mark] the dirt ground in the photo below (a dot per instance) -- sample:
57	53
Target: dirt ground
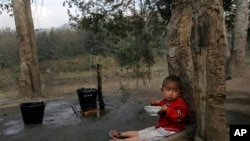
60	123
237	102
123	111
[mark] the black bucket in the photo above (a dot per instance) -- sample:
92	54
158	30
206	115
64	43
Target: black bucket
87	98
32	112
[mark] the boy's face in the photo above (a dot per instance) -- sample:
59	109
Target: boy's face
171	90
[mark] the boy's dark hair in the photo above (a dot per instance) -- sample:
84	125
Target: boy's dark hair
172	78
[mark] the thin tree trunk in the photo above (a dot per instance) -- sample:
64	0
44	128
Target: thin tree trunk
29	78
240	38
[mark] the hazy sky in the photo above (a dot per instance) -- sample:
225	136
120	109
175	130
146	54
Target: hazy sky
46	14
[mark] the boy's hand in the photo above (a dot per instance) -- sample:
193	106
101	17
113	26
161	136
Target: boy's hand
163	109
153	101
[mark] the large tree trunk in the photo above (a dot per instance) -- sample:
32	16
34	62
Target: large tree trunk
197	42
179	56
29	78
238	51
211	42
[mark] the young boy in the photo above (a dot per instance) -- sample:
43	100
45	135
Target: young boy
173	115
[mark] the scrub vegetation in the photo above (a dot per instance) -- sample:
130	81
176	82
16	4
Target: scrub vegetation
68	58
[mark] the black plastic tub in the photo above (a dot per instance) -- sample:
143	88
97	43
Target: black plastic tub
87	98
32	112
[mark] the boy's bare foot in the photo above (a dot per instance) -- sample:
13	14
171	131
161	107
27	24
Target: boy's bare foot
114	134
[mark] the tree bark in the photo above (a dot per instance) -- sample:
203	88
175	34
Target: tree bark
197	43
211	41
238	52
179	55
29	77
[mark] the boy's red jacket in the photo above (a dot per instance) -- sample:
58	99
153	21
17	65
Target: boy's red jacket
175	117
